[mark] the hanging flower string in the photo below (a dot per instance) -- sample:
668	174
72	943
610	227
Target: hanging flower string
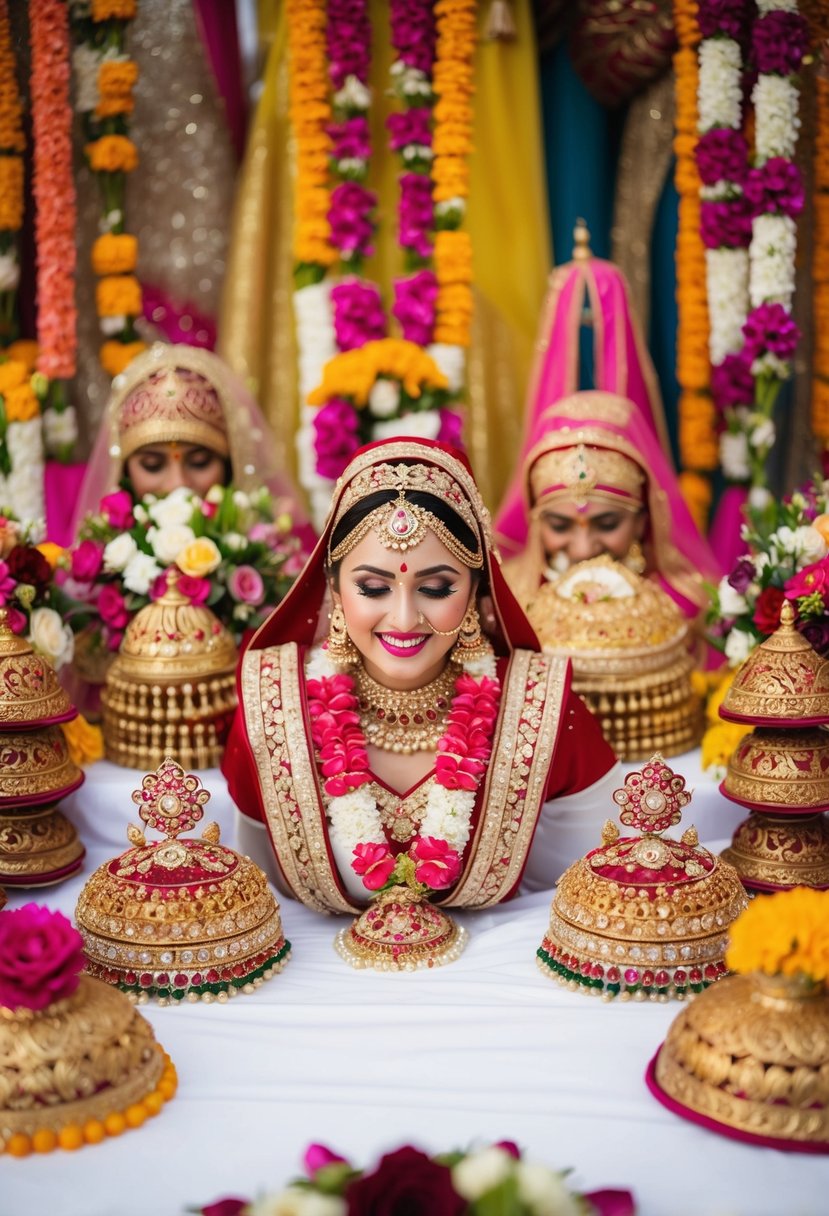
820	264
105	77
698	449
433	857
12	146
55	210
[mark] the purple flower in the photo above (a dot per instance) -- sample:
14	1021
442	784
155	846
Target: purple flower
410	127
348	32
780	41
414	306
336	436
720	17
816	633
350	139
413	33
416	213
722	154
732	382
358	313
451	429
350	218
742	574
775	186
770	327
725	224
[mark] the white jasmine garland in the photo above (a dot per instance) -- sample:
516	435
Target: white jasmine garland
448	816
772	251
451	360
730	601
727	288
762	433
140	573
720	94
109	326
22	491
119	553
351	165
86	60
9	271
354	95
776	104
423	425
769	362
355	819
60	427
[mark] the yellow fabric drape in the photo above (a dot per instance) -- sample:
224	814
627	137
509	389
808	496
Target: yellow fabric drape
507	219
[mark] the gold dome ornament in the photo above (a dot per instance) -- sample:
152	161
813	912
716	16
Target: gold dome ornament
748	1059
643	916
401	931
780	771
77	1060
180	918
38	844
629	647
172	687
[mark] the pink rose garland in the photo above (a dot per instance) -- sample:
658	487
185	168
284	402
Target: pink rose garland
41	958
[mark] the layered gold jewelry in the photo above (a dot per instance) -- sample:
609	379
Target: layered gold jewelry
404	720
634	559
471	644
582	474
341	649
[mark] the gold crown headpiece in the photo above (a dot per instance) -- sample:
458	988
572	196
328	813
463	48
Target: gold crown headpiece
172	404
401	525
583	474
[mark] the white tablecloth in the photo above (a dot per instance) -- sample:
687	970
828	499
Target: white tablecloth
484	1049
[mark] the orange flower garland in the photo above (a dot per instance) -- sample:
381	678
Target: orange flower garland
310	113
820	265
354	373
12	142
54	188
698	444
452	80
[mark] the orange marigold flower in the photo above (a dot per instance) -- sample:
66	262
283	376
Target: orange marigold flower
25	351
112	154
108	107
113	10
114	253
116	356
12	375
118	296
117	76
11	192
21	404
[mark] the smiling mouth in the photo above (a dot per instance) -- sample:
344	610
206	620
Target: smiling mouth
403	643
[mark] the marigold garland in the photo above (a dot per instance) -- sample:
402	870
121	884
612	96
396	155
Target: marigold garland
12	145
698	445
310	113
783	934
54	188
820	265
353	373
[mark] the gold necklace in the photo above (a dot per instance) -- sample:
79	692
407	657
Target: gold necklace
404	720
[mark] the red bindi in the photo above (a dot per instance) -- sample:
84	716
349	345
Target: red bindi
403	567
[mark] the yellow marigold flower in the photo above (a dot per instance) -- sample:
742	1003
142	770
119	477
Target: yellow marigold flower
21	404
84	741
114	253
452	335
52	552
118	295
783	934
108	107
112	154
199	558
25	351
719	743
11	192
117	76
116	356
13	373
353	373
118	10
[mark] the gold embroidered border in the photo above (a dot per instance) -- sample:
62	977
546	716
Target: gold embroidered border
287	775
524	742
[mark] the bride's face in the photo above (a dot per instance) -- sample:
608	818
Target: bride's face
159	468
391	601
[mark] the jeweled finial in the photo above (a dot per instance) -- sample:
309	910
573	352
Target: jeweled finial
581	237
170	800
652	800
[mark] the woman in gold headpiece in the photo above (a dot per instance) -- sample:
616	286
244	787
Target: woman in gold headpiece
178	416
596	481
409	728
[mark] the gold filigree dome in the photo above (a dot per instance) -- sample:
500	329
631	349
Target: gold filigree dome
780	770
35	767
172	639
783	682
644	915
30	694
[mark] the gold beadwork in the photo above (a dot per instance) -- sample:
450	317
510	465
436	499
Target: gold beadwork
341	649
404	721
582	474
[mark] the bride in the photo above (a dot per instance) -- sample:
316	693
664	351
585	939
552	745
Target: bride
408	730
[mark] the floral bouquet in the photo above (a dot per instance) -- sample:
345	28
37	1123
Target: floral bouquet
785	934
787	543
383	388
494	1181
236	553
28	592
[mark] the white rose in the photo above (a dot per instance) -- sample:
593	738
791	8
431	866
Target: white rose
451	361
758	499
731	602
384	398
140	513
119	553
235	541
50	637
738	645
9	271
175	509
141	573
424	425
241	500
805	544
543	1191
481	1172
60	426
734	455
296	1201
167	543
215	495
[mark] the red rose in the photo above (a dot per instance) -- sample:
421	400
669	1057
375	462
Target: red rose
41	957
225	1207
405	1183
767	609
28	565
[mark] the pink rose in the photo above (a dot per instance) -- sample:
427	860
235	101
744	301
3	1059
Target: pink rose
113	639
437	865
117	510
41	957
7	583
196	589
810	580
246	586
265	534
112	608
16	620
374	863
317	1157
87	560
158	586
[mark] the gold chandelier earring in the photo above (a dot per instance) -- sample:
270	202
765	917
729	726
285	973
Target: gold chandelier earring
634	559
341	649
471	644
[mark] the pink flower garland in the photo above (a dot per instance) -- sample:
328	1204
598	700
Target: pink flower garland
464	750
54	189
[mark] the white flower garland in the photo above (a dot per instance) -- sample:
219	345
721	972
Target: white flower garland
21	492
